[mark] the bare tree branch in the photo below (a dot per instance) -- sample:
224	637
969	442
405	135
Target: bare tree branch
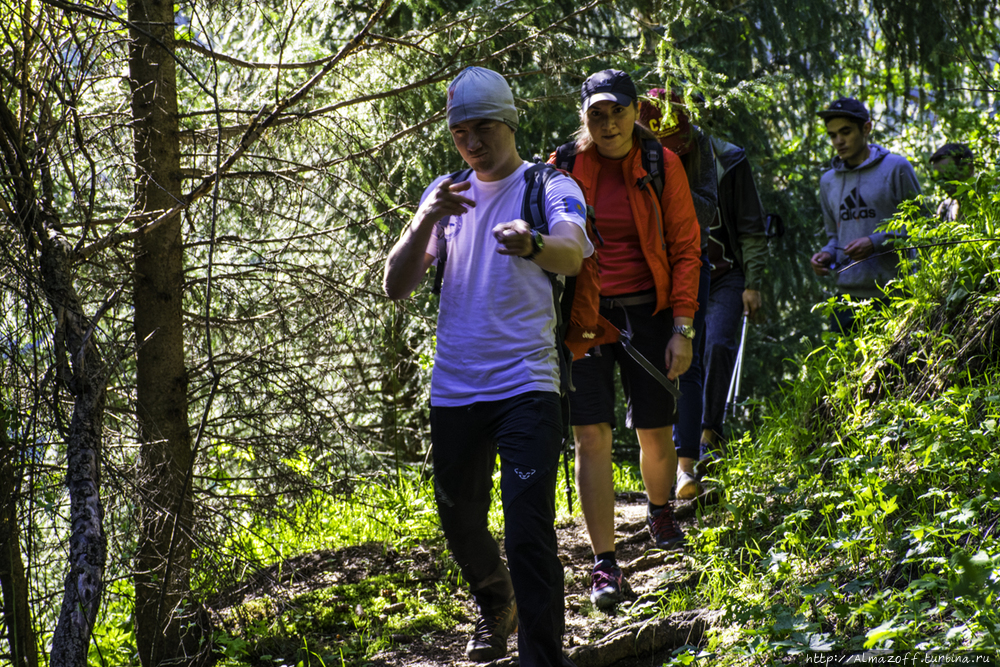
253	132
221	57
441	74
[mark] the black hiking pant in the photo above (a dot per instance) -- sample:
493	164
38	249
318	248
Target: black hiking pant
526	430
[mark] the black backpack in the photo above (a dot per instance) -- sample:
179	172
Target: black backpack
536	177
652	160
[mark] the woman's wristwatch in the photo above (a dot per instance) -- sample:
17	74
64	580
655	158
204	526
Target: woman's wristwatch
685	330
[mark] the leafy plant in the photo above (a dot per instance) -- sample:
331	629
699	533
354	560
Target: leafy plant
859	513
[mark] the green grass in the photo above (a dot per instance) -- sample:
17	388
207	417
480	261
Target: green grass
401	511
340	625
627	477
324	627
875	538
345	625
862	511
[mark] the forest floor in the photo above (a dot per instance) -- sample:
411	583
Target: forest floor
631	636
638	633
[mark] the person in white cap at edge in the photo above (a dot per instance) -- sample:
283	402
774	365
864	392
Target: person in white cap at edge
495	384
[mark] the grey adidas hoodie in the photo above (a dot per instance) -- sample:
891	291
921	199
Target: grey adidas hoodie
855	201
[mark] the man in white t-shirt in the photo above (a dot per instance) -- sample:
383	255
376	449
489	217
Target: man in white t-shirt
495	385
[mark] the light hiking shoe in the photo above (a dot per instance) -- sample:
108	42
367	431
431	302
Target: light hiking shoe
709	461
489	641
608	587
687	486
664	529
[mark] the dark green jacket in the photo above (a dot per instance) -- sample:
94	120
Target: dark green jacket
741	213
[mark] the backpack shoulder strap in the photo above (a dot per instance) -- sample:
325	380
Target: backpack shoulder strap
566	156
439	229
536	178
652	162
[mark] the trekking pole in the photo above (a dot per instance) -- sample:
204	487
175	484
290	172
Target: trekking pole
739	370
734	383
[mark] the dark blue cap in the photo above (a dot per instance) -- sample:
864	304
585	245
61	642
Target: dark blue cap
610	84
846	107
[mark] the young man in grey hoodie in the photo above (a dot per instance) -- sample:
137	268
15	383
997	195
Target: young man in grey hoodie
865	186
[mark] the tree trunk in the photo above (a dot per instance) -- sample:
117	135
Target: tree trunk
88	544
13	583
162	580
88	383
82	371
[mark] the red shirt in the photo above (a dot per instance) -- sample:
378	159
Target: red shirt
668	229
623	266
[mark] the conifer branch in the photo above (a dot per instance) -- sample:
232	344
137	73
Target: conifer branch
246	64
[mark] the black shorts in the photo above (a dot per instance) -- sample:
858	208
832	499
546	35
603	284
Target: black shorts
650	405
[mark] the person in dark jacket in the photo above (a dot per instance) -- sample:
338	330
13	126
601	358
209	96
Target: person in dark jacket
737	252
734	245
950	163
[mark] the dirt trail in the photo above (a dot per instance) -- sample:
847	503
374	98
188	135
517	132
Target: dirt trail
628	638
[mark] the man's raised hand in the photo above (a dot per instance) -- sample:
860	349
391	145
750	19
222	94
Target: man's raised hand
444	201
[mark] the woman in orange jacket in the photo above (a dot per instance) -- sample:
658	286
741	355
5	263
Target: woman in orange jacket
649	261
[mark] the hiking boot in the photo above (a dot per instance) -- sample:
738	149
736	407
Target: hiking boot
687	486
608	587
664	529
489	641
706	465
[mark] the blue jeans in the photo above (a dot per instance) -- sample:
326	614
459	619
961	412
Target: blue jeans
526	430
722	328
687	432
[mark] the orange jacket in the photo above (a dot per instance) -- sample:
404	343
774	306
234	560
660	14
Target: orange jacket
668	229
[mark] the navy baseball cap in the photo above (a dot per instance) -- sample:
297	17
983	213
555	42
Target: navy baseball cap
957	152
846	107
610	84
